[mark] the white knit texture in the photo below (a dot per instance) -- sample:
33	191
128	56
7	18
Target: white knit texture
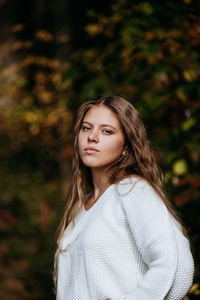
127	246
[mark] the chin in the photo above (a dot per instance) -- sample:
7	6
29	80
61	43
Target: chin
91	164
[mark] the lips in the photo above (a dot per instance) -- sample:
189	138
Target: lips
91	150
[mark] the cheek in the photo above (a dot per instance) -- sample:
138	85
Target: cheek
80	139
114	146
80	145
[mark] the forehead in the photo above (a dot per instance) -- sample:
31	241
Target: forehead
101	114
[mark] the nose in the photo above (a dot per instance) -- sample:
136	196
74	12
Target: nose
93	136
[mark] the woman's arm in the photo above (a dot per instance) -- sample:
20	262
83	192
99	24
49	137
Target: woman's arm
151	227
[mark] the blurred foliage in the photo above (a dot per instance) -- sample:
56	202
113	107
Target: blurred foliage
52	58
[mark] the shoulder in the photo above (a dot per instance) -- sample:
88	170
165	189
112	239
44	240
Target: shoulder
137	193
134	185
144	210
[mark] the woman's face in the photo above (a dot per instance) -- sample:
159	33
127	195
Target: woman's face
101	138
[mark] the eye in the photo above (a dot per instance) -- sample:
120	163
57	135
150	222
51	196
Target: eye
107	131
85	128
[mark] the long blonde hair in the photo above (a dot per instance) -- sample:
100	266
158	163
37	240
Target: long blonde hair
138	160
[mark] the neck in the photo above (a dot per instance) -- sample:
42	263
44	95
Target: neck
100	182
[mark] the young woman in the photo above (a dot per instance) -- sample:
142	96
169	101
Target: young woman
119	237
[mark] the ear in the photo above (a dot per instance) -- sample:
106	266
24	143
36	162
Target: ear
124	152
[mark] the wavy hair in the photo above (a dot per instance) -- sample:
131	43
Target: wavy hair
138	160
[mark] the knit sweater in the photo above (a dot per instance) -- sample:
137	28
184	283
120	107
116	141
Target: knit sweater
127	246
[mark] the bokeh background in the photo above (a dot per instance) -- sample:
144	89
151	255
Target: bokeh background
54	55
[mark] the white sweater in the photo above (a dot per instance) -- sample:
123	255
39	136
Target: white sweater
127	246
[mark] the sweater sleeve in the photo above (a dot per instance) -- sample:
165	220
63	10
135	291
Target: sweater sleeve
150	224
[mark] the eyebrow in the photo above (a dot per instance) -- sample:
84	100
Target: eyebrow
101	125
